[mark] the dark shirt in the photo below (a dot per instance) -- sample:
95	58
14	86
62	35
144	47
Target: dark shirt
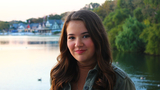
123	82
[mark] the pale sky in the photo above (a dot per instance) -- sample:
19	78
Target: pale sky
25	9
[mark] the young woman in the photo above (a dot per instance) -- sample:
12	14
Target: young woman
85	60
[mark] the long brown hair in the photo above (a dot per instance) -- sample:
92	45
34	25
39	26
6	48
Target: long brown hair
66	69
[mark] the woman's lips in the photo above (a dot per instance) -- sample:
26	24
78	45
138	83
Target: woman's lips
80	51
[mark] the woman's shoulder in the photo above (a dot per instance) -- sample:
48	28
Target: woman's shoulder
123	81
119	72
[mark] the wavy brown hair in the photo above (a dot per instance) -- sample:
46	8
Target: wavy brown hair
66	69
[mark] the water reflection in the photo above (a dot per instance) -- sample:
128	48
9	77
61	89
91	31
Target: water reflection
42	42
4	42
143	69
25	59
28	42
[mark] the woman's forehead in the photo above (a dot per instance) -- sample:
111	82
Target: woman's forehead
76	27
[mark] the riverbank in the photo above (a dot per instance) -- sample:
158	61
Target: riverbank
28	34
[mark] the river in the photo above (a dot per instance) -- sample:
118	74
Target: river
26	62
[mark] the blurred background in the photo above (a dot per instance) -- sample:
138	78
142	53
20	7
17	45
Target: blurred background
30	31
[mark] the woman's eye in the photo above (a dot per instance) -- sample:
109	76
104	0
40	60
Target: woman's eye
71	37
86	36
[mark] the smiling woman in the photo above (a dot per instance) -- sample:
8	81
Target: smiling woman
80	43
85	60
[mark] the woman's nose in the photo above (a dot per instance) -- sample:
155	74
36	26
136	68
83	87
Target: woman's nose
78	43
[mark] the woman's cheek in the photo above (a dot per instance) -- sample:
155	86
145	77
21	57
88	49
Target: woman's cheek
70	45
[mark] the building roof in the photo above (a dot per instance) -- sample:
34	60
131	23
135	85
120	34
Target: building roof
15	25
57	21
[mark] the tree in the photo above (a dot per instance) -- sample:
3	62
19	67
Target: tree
32	20
115	18
151	35
153	3
157	17
125	4
91	6
151	10
128	40
112	35
106	8
148	13
38	20
56	16
4	25
138	14
138	3
64	15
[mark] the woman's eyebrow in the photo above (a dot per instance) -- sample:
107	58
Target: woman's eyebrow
81	33
69	34
84	33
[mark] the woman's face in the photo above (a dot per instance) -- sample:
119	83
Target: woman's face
80	43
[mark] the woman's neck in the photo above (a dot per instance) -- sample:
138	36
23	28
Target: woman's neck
86	67
83	72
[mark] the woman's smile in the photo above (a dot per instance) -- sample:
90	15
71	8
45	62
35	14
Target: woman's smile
80	51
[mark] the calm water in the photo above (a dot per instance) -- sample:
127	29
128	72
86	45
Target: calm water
25	59
143	69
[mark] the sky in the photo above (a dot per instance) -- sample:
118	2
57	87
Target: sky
25	9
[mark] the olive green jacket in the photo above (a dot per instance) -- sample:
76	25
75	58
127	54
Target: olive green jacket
123	82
